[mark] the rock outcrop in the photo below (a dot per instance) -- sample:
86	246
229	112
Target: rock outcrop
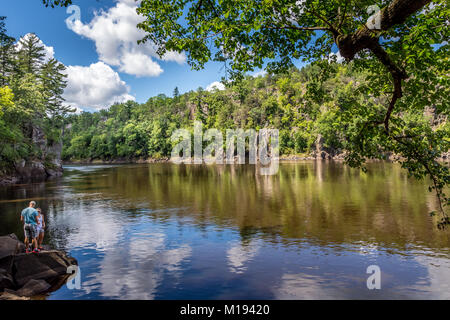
48	164
27	275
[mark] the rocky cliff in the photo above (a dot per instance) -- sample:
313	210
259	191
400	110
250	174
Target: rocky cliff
47	164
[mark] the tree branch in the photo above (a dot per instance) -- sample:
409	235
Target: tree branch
395	13
297	28
397	74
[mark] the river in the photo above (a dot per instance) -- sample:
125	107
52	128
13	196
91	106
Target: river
166	231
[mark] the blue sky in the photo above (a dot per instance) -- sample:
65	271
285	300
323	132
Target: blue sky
74	49
103	67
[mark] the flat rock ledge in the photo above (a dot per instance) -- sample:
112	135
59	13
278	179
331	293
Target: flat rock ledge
24	275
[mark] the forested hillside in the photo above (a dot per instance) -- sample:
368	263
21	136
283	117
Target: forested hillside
31	107
314	108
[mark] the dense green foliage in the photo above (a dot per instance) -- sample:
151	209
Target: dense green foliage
132	130
303	104
403	48
30	99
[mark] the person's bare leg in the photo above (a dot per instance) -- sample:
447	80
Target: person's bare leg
26	243
41	239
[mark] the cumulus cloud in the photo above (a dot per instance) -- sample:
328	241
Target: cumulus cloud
115	35
97	86
216	85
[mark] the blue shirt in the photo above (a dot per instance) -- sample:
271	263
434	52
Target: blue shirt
29	215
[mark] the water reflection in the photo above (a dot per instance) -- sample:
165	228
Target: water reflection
164	231
240	254
135	270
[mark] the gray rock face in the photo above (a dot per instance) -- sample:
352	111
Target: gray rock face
23	274
47	165
30	169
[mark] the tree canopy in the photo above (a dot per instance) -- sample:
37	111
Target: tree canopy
31	100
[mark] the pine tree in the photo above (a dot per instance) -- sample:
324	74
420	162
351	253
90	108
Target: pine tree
176	93
7	54
31	54
54	81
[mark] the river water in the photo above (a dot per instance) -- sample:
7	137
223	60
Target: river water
165	231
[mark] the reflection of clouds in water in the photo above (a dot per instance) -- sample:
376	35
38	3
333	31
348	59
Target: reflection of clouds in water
240	254
89	226
131	264
423	277
135	272
436	285
304	286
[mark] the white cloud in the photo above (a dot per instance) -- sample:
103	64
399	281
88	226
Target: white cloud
97	86
139	65
115	35
336	57
216	85
49	53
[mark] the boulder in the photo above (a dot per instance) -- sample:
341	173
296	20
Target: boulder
23	274
33	288
46	265
6	279
10	245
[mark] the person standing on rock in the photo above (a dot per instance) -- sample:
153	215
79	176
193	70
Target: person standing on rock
29	218
40	228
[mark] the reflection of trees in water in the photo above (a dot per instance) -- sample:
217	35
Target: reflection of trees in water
13	199
323	201
319	201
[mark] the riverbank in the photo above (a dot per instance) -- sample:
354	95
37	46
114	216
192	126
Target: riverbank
296	157
167	160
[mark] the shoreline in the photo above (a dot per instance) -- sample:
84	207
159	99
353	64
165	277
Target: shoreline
167	160
12	179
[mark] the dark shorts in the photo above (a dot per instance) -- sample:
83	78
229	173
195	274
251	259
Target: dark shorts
30	231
